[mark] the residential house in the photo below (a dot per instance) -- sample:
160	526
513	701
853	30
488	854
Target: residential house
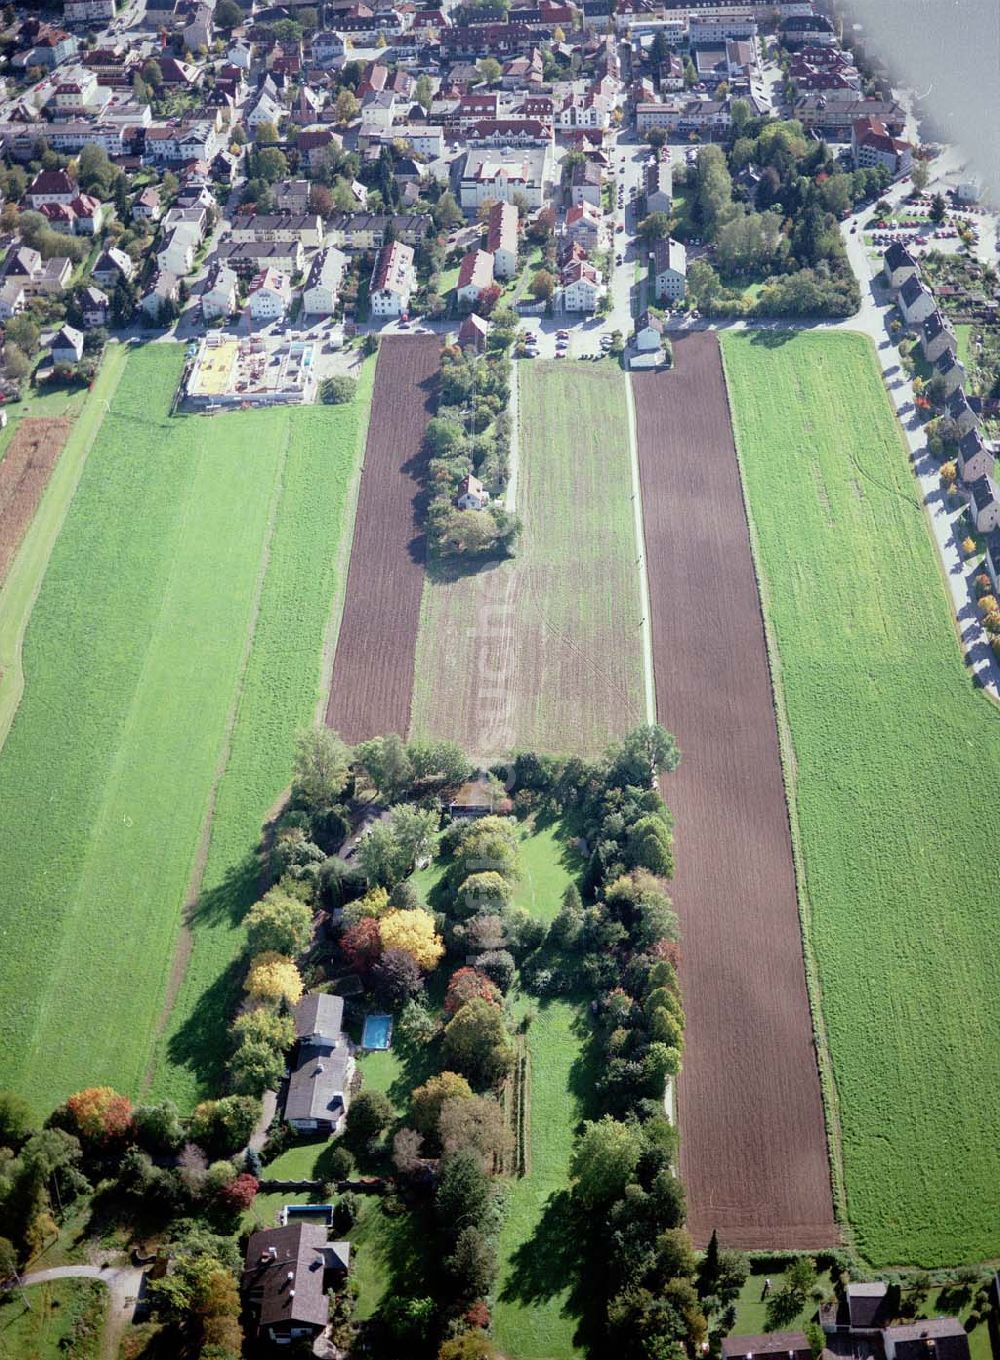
220	294
270	298
586	182
266	109
60	217
25	268
475	275
473	333
992	563
291	196
771	1346
146	207
94	306
306	228
286	1277
50	186
319	297
12	299
472	495
366	231
974	460
658	184
915	301
927	1339
863	1310
250	257
582	287
393	280
319	1087
585	225
312	144
175	254
327	47
88	11
480	796
950	371
873	145
670	270
984	512
67	346
501	239
898	265
959	410
648	333
936	337
163	290
684	115
88	215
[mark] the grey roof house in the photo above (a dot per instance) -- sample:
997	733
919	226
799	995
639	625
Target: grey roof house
319	1087
286	1274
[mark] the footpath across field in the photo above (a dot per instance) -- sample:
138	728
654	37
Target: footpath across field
893	758
753	1144
175	646
542	651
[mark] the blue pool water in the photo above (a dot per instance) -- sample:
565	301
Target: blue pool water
377	1032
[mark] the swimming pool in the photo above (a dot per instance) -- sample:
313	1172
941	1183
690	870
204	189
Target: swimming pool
377	1032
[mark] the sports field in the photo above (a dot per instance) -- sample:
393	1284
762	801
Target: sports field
543	651
890	758
176	644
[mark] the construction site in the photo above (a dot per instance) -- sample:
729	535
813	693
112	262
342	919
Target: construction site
227	371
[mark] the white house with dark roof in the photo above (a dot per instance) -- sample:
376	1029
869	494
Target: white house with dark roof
670	270
898	265
915	301
393	280
984	505
319	297
936	336
974	459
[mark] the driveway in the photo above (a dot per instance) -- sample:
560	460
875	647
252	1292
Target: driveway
125	1286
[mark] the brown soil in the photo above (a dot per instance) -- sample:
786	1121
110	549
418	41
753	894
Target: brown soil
753	1145
24	474
373	666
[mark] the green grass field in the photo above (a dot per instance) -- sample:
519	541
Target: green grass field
543	651
890	754
178	637
48	1321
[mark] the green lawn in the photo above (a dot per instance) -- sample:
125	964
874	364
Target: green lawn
48	1321
751	1306
890	752
542	651
536	1311
177	638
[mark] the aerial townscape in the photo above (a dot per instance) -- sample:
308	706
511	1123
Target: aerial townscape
499	681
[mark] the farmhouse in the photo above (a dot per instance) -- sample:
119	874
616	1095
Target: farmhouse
286	1275
927	1339
319	1087
864	1310
472	495
780	1345
477	798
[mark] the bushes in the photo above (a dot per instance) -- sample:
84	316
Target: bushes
338	390
476	1043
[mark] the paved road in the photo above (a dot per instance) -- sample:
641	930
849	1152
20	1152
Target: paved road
124	1288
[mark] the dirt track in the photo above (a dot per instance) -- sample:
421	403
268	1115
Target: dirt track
753	1145
24	474
373	665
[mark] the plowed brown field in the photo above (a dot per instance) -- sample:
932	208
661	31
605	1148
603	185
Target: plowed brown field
24	474
373	665
753	1144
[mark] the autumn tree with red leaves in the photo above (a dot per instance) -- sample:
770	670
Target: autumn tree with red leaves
467	983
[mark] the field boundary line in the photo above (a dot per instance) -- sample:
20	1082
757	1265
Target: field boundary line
789	769
184	943
343	557
646	626
514	448
23	581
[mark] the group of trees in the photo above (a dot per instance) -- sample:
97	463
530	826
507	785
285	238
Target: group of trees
470	434
785	229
